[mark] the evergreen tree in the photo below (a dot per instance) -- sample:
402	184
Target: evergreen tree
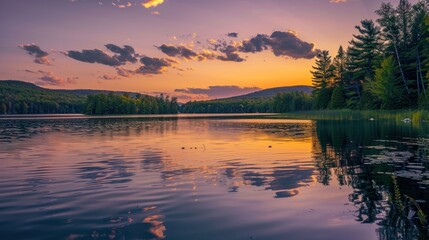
386	86
339	64
323	75
364	56
338	100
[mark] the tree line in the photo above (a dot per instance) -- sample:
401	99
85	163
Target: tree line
24	98
100	104
385	65
282	102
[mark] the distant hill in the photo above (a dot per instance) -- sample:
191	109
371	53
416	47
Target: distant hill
86	92
10	84
271	92
23	97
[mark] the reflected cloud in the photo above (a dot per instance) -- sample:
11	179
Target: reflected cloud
157	227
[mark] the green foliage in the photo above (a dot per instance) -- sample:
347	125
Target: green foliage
25	98
339	66
292	102
338	100
365	51
386	86
323	75
399	38
252	105
282	102
416	116
101	104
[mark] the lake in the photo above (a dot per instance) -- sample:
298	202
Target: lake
204	177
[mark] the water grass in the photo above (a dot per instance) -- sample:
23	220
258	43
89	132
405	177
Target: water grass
413	116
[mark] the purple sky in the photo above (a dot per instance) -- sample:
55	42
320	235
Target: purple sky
38	35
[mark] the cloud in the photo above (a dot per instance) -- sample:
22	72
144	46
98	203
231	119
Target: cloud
225	53
126	54
124	72
286	44
178	51
40	56
255	44
229	54
121	56
232	34
155	13
128	4
94	56
338	1
154	65
48	78
109	77
219	91
152	3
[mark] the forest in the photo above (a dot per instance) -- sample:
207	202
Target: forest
18	97
282	102
100	104
385	65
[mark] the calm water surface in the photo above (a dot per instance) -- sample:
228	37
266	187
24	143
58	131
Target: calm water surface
211	178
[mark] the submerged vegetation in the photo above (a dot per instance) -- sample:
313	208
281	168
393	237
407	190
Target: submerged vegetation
407	116
385	165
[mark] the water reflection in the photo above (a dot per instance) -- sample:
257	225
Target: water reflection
188	178
375	158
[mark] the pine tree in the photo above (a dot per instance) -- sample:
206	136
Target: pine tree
322	80
339	64
364	55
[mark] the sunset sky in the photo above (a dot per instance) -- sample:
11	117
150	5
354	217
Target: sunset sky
191	49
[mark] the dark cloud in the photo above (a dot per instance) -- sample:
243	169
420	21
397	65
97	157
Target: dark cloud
109	77
219	91
154	65
232	57
286	44
178	51
40	56
121	55
232	34
126	54
94	56
255	44
229	54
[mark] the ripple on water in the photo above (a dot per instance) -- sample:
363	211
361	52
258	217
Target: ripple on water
171	179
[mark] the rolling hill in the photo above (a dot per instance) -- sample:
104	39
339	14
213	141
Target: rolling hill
23	97
271	92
